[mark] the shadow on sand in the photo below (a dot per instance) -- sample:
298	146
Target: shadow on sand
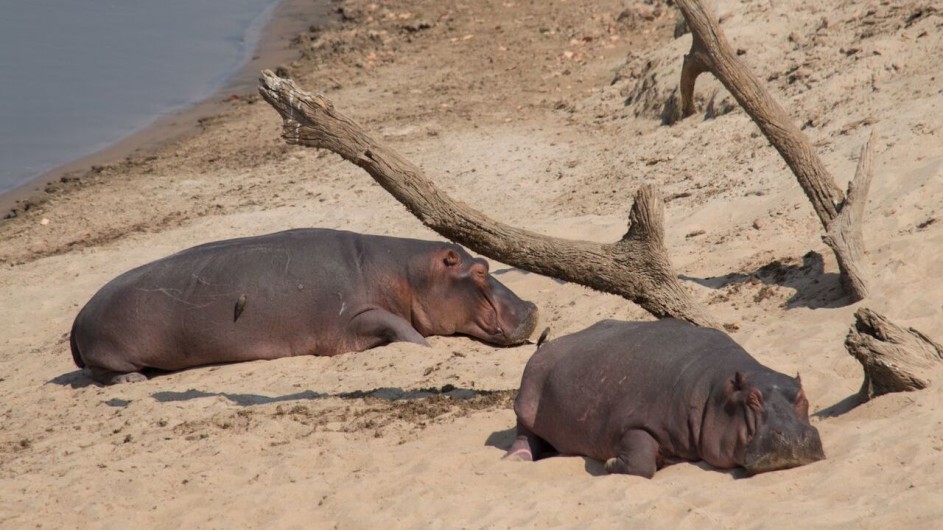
814	287
841	407
505	438
385	394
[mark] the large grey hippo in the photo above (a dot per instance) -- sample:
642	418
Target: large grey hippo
298	292
641	395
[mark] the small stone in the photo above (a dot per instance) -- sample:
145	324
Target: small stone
44	222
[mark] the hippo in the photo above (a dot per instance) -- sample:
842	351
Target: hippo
642	395
298	292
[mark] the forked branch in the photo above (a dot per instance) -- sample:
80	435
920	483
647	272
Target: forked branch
636	267
710	52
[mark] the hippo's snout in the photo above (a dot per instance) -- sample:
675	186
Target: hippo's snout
781	450
526	322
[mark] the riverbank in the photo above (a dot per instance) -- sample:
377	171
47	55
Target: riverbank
542	116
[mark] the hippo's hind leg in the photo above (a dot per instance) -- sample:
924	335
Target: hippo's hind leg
109	377
527	446
637	455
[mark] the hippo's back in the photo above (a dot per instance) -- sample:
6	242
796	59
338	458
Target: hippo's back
580	392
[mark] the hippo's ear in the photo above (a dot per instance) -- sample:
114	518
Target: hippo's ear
734	396
738	381
451	258
798	379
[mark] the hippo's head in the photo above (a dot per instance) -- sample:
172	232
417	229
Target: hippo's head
458	295
774	432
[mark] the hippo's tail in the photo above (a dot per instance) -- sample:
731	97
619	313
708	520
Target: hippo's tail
75	347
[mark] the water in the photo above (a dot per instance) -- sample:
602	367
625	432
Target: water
78	75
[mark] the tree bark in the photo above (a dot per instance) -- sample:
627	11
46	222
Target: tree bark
636	267
710	52
894	359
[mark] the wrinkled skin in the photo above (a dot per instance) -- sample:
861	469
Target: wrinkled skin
299	292
641	395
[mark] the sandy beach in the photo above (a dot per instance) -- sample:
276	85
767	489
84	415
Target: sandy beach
545	116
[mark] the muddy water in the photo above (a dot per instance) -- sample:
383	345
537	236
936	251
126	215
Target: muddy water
78	75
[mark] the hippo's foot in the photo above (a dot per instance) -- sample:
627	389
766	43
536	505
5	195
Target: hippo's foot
518	454
108	377
527	447
638	455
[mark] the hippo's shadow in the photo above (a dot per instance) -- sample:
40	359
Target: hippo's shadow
80	378
504	439
594	467
75	379
385	394
814	288
598	469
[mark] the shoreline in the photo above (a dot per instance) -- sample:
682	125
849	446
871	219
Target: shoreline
273	48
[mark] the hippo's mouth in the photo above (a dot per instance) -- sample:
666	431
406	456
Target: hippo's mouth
502	329
490	325
784	454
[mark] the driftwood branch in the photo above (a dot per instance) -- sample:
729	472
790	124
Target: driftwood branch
710	52
894	359
636	267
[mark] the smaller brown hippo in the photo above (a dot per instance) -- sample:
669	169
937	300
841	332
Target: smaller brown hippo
298	292
642	395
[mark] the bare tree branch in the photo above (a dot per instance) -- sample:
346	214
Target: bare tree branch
711	52
636	267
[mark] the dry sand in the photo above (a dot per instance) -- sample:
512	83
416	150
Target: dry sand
543	115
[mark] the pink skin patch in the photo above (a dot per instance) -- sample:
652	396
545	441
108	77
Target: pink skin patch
519	454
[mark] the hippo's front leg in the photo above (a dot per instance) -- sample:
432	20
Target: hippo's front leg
637	455
379	326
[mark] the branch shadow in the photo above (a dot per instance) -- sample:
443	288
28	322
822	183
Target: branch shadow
841	407
814	288
499	272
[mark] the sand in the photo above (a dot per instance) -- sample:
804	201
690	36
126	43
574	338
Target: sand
544	116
